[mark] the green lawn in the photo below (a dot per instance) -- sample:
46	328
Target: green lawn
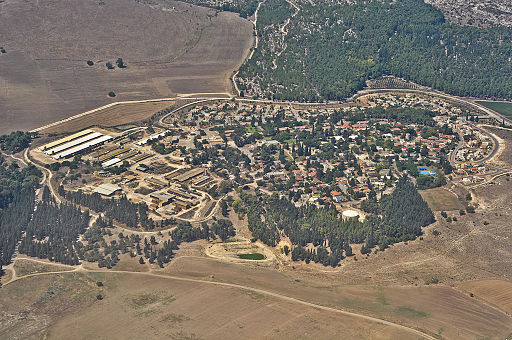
254	256
500	107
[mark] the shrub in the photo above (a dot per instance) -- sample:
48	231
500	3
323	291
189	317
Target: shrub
112	94
90	62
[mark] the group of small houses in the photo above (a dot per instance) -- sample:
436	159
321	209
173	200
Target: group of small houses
342	188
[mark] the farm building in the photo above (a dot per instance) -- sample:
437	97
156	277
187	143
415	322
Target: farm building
107	189
152	138
82	147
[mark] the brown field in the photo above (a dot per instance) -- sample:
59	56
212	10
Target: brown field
440	199
434	309
168	49
116	115
146	307
496	292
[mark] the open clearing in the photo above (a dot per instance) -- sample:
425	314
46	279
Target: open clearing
146	307
112	116
502	108
440	199
169	49
238	251
430	308
25	267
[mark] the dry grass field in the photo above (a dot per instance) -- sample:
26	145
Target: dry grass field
495	292
168	50
25	267
434	309
440	199
504	156
112	116
146	307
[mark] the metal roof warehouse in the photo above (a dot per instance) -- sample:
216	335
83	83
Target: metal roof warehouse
107	189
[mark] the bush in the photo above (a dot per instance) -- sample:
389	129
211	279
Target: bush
90	62
444	214
470	209
112	94
109	65
99	297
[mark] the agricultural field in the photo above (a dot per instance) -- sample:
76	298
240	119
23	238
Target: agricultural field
177	48
503	108
112	116
495	292
434	308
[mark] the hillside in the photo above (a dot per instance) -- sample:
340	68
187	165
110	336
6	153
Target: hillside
475	12
326	51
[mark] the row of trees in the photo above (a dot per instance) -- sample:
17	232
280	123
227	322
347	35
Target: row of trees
17	202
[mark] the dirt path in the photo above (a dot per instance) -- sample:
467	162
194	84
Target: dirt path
284	32
251	53
247	288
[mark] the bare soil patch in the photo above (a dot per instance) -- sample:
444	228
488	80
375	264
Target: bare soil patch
504	156
168	49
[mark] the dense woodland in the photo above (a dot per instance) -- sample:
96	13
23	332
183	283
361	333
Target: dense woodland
53	231
17	202
133	215
319	234
331	49
16	141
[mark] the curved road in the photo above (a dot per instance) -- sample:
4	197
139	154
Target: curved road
247	288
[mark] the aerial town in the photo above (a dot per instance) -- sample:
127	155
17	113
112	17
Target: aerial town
324	156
